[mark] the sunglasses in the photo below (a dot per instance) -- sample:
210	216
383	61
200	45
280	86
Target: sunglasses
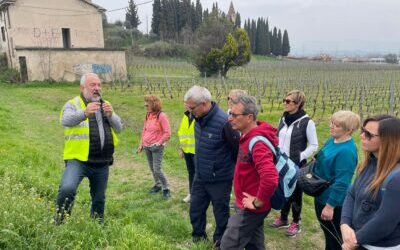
368	135
235	115
288	101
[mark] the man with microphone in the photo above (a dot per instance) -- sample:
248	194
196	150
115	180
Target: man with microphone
90	127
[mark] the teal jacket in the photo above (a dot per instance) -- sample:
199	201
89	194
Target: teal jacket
336	163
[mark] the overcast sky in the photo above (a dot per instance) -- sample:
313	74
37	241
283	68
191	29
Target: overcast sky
314	26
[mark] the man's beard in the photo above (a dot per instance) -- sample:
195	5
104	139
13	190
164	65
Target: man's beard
95	97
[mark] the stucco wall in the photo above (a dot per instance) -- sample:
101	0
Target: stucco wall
69	65
38	23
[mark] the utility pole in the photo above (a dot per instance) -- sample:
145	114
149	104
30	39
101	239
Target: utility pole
147	26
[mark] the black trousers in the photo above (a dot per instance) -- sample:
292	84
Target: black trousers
189	159
202	194
295	202
333	236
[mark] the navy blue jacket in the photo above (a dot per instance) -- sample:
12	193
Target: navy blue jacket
375	221
216	146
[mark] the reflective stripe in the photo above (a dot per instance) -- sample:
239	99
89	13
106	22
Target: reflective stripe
76	137
83	124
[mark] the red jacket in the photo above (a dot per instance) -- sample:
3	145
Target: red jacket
257	176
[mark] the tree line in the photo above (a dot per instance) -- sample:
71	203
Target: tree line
215	38
265	41
178	20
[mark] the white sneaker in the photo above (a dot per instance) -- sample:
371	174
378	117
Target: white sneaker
187	199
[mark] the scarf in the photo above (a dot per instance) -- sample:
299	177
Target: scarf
290	118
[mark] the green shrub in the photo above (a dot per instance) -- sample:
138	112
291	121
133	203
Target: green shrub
3	62
165	49
10	76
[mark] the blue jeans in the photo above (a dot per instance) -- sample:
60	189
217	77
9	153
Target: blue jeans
74	173
154	158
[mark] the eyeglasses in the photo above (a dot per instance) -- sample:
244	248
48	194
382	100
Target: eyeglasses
368	135
193	108
235	115
288	101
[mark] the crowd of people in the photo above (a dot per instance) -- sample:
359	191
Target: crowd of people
215	146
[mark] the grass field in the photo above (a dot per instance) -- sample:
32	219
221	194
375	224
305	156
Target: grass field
31	166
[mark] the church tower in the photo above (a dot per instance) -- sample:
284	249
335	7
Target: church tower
232	13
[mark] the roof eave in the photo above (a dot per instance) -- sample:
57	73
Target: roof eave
5	3
94	5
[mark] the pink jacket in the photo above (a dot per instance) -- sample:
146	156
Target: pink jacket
155	130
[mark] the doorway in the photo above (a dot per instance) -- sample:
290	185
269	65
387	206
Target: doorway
23	68
66	38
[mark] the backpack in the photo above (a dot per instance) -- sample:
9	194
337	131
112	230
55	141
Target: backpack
288	173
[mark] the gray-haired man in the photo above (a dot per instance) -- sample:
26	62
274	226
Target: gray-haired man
255	178
216	150
90	125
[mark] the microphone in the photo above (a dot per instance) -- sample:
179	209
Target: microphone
101	105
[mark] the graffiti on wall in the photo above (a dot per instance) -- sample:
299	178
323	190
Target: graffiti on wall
81	69
101	68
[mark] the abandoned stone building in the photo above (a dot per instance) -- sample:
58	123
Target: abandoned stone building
57	39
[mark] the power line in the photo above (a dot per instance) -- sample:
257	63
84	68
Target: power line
81	14
127	6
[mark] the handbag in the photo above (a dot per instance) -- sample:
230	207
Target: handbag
311	183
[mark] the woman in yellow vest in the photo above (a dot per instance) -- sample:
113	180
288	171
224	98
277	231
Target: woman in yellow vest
187	144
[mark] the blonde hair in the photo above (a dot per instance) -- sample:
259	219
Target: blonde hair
389	150
346	119
298	97
235	93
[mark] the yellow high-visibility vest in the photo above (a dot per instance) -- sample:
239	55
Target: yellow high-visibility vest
76	139
186	135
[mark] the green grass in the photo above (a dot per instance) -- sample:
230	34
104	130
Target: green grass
31	144
31	166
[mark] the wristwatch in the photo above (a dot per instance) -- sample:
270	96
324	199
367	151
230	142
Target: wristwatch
254	204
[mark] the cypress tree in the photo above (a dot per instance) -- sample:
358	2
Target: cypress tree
267	39
131	15
205	14
199	14
163	19
155	22
253	36
238	20
259	38
193	17
285	44
175	18
275	47
279	42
